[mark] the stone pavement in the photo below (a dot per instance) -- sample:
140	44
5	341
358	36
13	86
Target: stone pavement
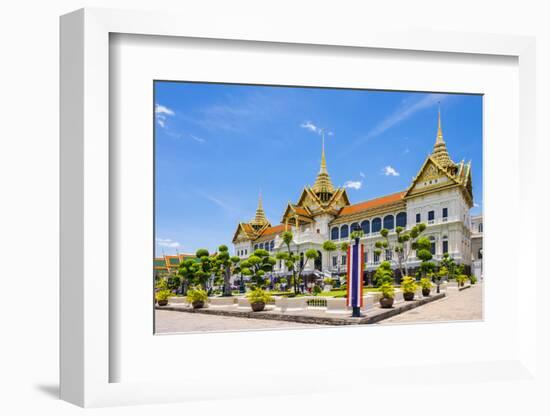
174	322
465	305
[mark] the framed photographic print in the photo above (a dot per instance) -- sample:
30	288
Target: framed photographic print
268	200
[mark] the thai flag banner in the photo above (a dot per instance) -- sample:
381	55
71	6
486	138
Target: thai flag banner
355	275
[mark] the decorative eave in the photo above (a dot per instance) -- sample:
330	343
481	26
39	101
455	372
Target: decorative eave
409	193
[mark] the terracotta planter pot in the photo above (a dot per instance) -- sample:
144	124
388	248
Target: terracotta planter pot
426	292
258	306
386	302
461	284
198	304
408	296
163	302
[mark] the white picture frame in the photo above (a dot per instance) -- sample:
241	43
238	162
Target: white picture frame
86	290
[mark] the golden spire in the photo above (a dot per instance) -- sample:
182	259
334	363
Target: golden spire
260	218
440	153
323	186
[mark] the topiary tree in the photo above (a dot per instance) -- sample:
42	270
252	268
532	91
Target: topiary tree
383	274
289	258
402	246
449	263
257	265
224	264
343	247
329	247
205	267
310	254
422	247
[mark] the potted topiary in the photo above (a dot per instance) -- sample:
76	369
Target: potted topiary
408	286
162	297
197	297
461	279
426	286
258	298
387	290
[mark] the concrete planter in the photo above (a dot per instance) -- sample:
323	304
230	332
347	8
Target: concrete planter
243	303
290	304
222	301
337	305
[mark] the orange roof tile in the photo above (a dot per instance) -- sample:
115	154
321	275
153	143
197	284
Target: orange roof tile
372	203
301	211
274	230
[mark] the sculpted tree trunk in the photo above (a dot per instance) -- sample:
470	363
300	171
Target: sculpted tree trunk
227	281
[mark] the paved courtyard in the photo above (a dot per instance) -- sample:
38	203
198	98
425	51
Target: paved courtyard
456	306
173	322
465	305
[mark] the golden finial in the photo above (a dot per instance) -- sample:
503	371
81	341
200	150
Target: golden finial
260	218
439	152
439	138
323	186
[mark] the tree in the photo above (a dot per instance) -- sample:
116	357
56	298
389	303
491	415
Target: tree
187	271
205	267
310	254
402	246
329	247
289	259
422	247
257	265
223	263
383	274
449	263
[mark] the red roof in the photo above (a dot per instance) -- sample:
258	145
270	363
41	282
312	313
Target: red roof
373	203
274	230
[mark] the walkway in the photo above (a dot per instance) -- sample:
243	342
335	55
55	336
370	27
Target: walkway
462	305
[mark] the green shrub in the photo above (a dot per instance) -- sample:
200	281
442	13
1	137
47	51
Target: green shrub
196	294
461	279
383	274
163	295
316	290
408	284
258	295
343	287
328	281
473	279
425	283
387	290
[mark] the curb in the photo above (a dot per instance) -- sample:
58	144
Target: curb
387	313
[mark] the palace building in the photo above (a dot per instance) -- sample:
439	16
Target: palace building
440	196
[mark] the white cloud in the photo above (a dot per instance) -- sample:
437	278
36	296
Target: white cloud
476	205
160	114
389	171
310	126
160	109
405	111
197	139
362	175
353	184
315	129
167	242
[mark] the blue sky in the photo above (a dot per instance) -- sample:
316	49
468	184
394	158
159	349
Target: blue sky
217	146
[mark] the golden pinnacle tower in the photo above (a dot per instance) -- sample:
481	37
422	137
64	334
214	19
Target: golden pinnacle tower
260	219
440	154
323	185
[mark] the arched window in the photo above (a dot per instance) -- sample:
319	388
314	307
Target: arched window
376	225
365	226
355	227
261	246
255	246
432	245
272	245
480	227
335	233
401	220
344	231
445	242
388	222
